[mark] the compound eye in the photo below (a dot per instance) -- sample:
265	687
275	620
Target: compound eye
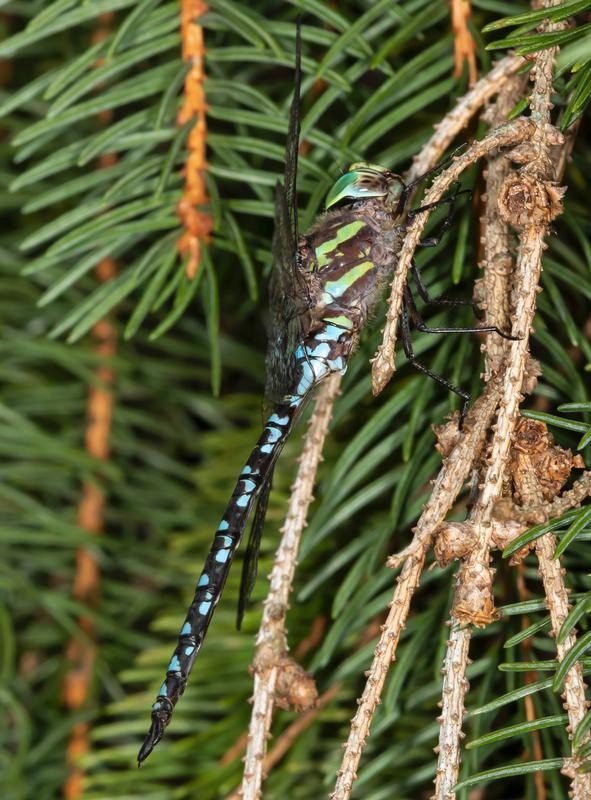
396	187
357	184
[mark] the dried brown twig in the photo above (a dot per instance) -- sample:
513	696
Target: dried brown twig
511	134
529	200
81	650
450	480
272	637
271	662
464	44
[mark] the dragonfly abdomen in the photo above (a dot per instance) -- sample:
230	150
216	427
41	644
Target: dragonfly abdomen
321	354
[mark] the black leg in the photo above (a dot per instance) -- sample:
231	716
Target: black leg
433	171
407	345
421	326
433	241
435	301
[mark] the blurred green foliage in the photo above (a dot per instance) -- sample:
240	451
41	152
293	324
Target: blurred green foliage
189	376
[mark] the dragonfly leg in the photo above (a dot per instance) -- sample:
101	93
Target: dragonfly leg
424	328
435	301
451	200
407	345
433	171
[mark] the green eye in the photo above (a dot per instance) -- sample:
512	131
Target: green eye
360	181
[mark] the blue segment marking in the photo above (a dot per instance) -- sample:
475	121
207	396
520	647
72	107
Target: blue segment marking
249	486
274	435
322	349
267	448
189	650
204	607
204	579
337	363
224	525
175	664
222	556
242	501
186	629
330	333
162	692
278	420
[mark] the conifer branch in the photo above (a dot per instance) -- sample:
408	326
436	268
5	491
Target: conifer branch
448	485
197	223
464	44
81	650
529	200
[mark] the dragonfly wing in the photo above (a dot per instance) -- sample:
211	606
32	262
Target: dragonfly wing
288	294
288	302
250	564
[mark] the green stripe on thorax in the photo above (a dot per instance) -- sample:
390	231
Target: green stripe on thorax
325	252
337	288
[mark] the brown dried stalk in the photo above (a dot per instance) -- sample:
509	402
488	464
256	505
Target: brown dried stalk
196	222
497	258
498	264
530	200
575	702
464	44
512	133
81	650
451	478
453	692
286	740
271	652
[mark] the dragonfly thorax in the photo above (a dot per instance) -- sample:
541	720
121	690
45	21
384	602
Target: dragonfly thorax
362	181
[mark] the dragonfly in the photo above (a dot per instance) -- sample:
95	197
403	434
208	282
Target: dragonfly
324	287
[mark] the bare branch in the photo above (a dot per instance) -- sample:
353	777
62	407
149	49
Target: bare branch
529	200
510	134
455	686
272	638
457	119
450	480
497	259
384	654
575	702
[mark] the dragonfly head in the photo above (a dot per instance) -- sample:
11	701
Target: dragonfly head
361	181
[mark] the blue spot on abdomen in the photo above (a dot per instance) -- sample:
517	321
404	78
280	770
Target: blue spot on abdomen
175	665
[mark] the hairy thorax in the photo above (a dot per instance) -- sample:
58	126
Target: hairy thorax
346	259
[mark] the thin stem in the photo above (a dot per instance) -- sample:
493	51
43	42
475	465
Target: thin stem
511	134
457	119
455	687
272	638
452	475
197	223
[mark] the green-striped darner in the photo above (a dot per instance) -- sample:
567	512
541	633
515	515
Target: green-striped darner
324	287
